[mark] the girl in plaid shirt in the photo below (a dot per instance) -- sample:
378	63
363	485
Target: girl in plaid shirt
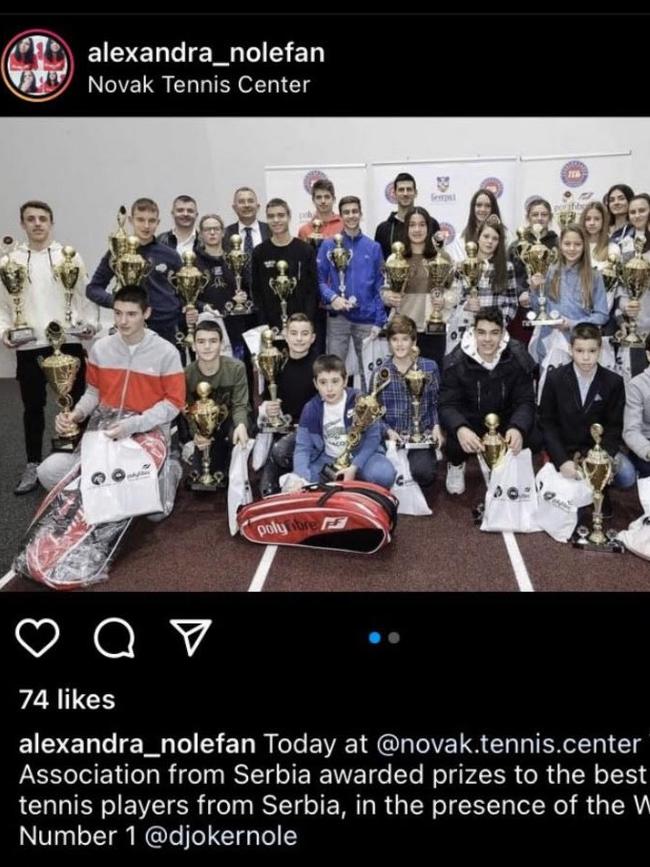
497	286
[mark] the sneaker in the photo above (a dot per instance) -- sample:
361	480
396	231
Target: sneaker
455	479
28	481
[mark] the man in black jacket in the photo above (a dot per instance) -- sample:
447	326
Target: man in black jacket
393	229
487	373
580	394
246	206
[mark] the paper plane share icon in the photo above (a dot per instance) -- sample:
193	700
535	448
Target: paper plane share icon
192	631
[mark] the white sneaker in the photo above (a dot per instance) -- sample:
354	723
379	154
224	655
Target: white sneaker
29	480
455	479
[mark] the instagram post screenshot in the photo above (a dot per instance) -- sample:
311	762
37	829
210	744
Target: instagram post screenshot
325	424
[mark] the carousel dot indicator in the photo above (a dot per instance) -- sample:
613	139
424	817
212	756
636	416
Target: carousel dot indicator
393	637
374	637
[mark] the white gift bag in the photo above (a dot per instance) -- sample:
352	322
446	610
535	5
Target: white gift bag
261	449
511	499
374	352
239	489
637	536
557	354
406	489
253	340
119	479
558	501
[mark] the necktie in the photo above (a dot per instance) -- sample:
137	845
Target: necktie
248	248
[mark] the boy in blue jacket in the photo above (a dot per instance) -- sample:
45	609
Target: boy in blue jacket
324	423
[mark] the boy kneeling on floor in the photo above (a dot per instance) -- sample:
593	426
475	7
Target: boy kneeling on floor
322	432
577	395
227	376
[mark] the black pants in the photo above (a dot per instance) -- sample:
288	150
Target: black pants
455	455
279	461
432	346
423	466
32	382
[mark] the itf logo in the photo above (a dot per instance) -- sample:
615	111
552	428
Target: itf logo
574	173
37	65
494	185
311	177
448	231
389	192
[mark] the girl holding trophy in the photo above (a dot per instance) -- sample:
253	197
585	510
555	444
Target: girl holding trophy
573	289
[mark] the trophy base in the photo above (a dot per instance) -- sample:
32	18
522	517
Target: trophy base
77	331
632	341
63	444
277	429
21	335
436	328
425	444
610	547
217	482
330	473
531	323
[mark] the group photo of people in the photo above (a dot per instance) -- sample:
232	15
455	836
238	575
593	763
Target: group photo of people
226	355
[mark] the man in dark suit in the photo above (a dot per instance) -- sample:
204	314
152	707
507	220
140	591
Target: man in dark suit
251	230
577	395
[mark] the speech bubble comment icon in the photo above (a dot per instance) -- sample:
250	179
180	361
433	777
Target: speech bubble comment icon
109	638
37	636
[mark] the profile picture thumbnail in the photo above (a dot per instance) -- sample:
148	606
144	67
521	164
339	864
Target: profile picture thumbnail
37	65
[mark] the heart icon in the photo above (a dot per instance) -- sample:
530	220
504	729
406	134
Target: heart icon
37	624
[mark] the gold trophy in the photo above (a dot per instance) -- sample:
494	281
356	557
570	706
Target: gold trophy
397	270
340	257
283	286
269	361
635	277
205	416
495	445
367	410
538	258
566	215
440	271
237	260
470	268
60	370
611	273
15	276
117	239
131	268
316	237
189	281
598	469
67	273
415	381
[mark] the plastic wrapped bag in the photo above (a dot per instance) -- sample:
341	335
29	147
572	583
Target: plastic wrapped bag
558	501
239	489
406	489
511	499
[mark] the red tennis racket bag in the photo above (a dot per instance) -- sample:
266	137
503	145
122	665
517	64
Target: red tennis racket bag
346	516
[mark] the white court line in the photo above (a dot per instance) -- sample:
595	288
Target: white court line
518	565
7	578
263	567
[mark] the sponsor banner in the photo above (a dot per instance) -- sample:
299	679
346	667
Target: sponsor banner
294	183
446	187
586	176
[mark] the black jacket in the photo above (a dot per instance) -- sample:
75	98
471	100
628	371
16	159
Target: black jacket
469	391
301	258
565	422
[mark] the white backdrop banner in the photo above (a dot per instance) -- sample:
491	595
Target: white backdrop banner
445	188
294	183
586	176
